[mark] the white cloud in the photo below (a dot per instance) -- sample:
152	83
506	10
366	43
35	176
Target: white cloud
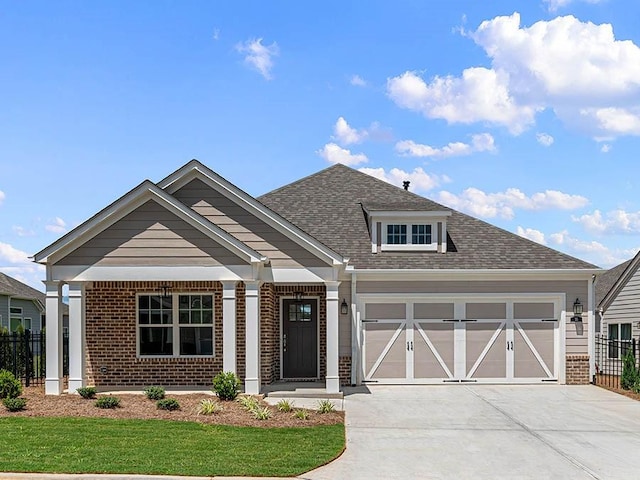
22	232
2	197
480	95
532	234
346	135
592	251
333	153
613	222
554	5
503	204
58	225
482	142
544	139
216	34
358	81
606	148
259	56
16	263
420	180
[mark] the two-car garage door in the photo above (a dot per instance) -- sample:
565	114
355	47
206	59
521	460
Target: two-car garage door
490	340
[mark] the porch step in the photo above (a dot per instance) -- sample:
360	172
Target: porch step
300	390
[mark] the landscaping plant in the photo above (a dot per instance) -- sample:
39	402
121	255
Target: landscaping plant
262	413
248	403
108	402
630	373
168	404
284	405
226	385
14	404
325	406
154	393
10	387
301	414
87	392
208	406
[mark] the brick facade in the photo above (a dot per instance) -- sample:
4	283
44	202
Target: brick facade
577	370
111	322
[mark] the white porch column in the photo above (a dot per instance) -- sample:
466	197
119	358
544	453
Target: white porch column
229	326
53	345
77	377
252	355
333	359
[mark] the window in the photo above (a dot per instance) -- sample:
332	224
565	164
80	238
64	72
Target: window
396	234
16	320
299	312
619	339
15	310
176	325
421	234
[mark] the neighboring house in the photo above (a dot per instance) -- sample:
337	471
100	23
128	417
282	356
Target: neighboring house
23	305
618	305
337	276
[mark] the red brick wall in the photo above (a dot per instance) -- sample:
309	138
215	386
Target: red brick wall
577	370
241	348
344	368
111	339
269	339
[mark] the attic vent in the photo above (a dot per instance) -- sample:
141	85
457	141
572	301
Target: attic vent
405	184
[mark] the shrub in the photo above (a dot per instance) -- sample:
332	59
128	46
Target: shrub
636	386
168	404
301	415
226	385
87	392
325	406
154	393
629	371
208	406
248	403
262	413
14	404
108	402
10	387
285	406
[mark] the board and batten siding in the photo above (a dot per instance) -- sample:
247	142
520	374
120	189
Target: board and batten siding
576	333
246	227
625	308
151	235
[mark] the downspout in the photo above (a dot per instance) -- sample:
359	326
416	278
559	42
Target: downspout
592	327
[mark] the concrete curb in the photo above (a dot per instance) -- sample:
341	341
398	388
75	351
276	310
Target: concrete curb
99	476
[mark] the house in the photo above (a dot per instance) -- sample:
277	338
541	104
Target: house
338	276
20	305
618	306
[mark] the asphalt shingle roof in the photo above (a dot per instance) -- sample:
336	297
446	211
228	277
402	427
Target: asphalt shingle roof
14	288
607	280
328	205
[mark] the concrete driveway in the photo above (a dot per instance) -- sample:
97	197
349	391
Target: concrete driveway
488	432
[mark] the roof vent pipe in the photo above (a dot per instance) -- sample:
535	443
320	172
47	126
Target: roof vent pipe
405	184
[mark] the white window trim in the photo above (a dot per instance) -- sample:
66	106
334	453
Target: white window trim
423	247
15	314
175	325
618	340
24	321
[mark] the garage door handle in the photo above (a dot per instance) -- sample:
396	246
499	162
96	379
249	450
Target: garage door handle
510	346
409	346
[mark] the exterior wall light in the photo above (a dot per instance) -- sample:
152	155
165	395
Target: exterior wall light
344	308
164	291
577	311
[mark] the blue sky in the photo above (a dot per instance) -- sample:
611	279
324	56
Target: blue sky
523	113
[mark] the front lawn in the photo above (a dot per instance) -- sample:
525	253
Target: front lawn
100	445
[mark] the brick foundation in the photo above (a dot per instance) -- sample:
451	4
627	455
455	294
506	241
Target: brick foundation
344	368
577	370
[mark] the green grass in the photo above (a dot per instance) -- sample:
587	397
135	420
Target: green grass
96	445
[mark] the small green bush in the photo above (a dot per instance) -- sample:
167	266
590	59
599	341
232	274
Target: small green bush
108	402
248	403
636	387
630	373
226	385
168	404
87	392
325	406
208	407
10	387
262	413
284	405
154	393
14	404
301	415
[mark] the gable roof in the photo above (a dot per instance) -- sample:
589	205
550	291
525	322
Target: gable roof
612	281
133	199
15	288
328	205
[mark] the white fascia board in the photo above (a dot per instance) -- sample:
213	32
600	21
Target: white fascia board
379	214
150	273
479	274
298	275
128	203
195	169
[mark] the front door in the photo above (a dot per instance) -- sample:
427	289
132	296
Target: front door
300	338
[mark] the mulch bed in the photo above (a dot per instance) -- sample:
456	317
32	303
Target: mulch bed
626	393
139	406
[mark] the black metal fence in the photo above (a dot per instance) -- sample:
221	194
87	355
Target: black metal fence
609	355
24	355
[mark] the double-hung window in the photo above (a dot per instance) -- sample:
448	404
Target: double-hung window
175	325
619	339
15	319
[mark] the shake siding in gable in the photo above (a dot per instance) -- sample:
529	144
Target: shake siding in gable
626	306
151	235
244	226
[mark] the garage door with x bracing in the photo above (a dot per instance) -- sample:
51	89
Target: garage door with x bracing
492	341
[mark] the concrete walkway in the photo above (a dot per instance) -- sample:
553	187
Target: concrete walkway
488	432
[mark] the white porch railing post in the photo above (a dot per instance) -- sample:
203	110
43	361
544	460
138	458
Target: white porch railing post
229	326
252	355
53	345
77	337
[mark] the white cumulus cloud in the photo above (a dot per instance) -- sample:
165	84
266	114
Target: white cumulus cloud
16	263
592	251
614	222
532	234
357	81
2	197
57	225
503	204
544	139
258	56
482	142
420	180
346	135
333	153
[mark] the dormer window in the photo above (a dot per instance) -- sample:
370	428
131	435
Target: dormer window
396	234
421	234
